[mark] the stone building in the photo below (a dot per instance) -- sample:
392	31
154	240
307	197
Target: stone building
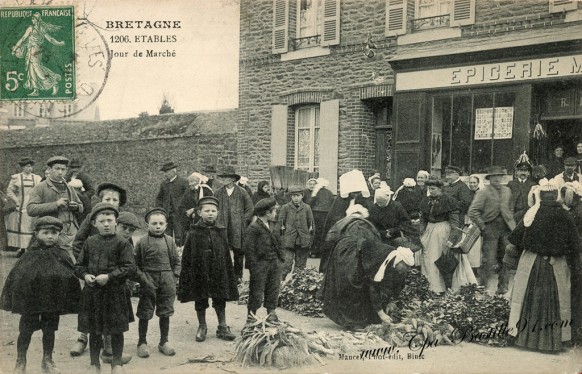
399	85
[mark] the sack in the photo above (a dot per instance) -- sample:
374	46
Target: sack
468	239
447	263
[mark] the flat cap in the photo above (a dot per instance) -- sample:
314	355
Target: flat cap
128	219
101	207
570	161
295	189
48	222
208	200
453	168
57	160
111	186
156	210
264	205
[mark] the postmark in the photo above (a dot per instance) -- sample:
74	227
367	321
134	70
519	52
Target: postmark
38	53
91	60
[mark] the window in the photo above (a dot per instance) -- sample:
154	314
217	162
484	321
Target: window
404	16
308	18
43	110
305	24
472	131
307	138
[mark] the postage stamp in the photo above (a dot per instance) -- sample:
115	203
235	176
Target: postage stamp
37	53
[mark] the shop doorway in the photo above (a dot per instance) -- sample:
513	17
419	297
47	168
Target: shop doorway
565	133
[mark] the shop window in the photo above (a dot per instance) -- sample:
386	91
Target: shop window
43	110
473	132
18	110
307	138
409	16
300	24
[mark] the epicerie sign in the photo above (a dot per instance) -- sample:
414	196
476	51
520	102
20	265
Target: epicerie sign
503	72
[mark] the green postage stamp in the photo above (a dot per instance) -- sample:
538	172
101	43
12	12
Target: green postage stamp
37	53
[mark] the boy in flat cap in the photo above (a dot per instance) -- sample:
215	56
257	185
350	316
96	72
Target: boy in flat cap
114	195
264	258
169	197
105	263
207	269
53	197
296	223
40	287
158	266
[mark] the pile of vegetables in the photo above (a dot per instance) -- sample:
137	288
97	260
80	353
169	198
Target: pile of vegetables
469	315
299	294
280	345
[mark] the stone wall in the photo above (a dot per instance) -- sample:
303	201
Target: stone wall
130	151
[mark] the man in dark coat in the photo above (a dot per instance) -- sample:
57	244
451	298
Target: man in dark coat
207	270
236	212
75	171
169	196
458	190
520	188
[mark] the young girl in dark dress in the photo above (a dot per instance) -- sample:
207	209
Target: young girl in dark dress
40	287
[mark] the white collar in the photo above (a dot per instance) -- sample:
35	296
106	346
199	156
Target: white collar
175	176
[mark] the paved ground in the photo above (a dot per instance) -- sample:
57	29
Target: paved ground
462	358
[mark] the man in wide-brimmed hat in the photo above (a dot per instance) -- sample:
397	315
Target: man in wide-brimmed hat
169	197
236	212
492	212
520	187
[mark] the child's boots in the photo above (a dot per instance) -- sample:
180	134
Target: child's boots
48	366
223	331
202	328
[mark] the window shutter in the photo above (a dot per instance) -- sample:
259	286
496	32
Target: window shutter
557	6
329	143
463	12
279	135
396	17
280	26
331	22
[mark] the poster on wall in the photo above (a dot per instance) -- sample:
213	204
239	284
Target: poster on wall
436	154
484	123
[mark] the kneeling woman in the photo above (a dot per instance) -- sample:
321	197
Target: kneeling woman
362	274
545	300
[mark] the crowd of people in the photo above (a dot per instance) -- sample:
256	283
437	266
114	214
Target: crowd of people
201	230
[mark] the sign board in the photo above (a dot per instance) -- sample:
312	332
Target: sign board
501	72
503	123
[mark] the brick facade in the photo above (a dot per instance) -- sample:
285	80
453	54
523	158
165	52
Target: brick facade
131	151
344	73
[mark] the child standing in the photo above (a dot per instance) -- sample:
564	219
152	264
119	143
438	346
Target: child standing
296	222
158	266
264	257
40	287
207	269
105	263
127	223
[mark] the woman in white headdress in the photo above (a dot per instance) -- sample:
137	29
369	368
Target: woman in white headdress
353	190
189	201
546	296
